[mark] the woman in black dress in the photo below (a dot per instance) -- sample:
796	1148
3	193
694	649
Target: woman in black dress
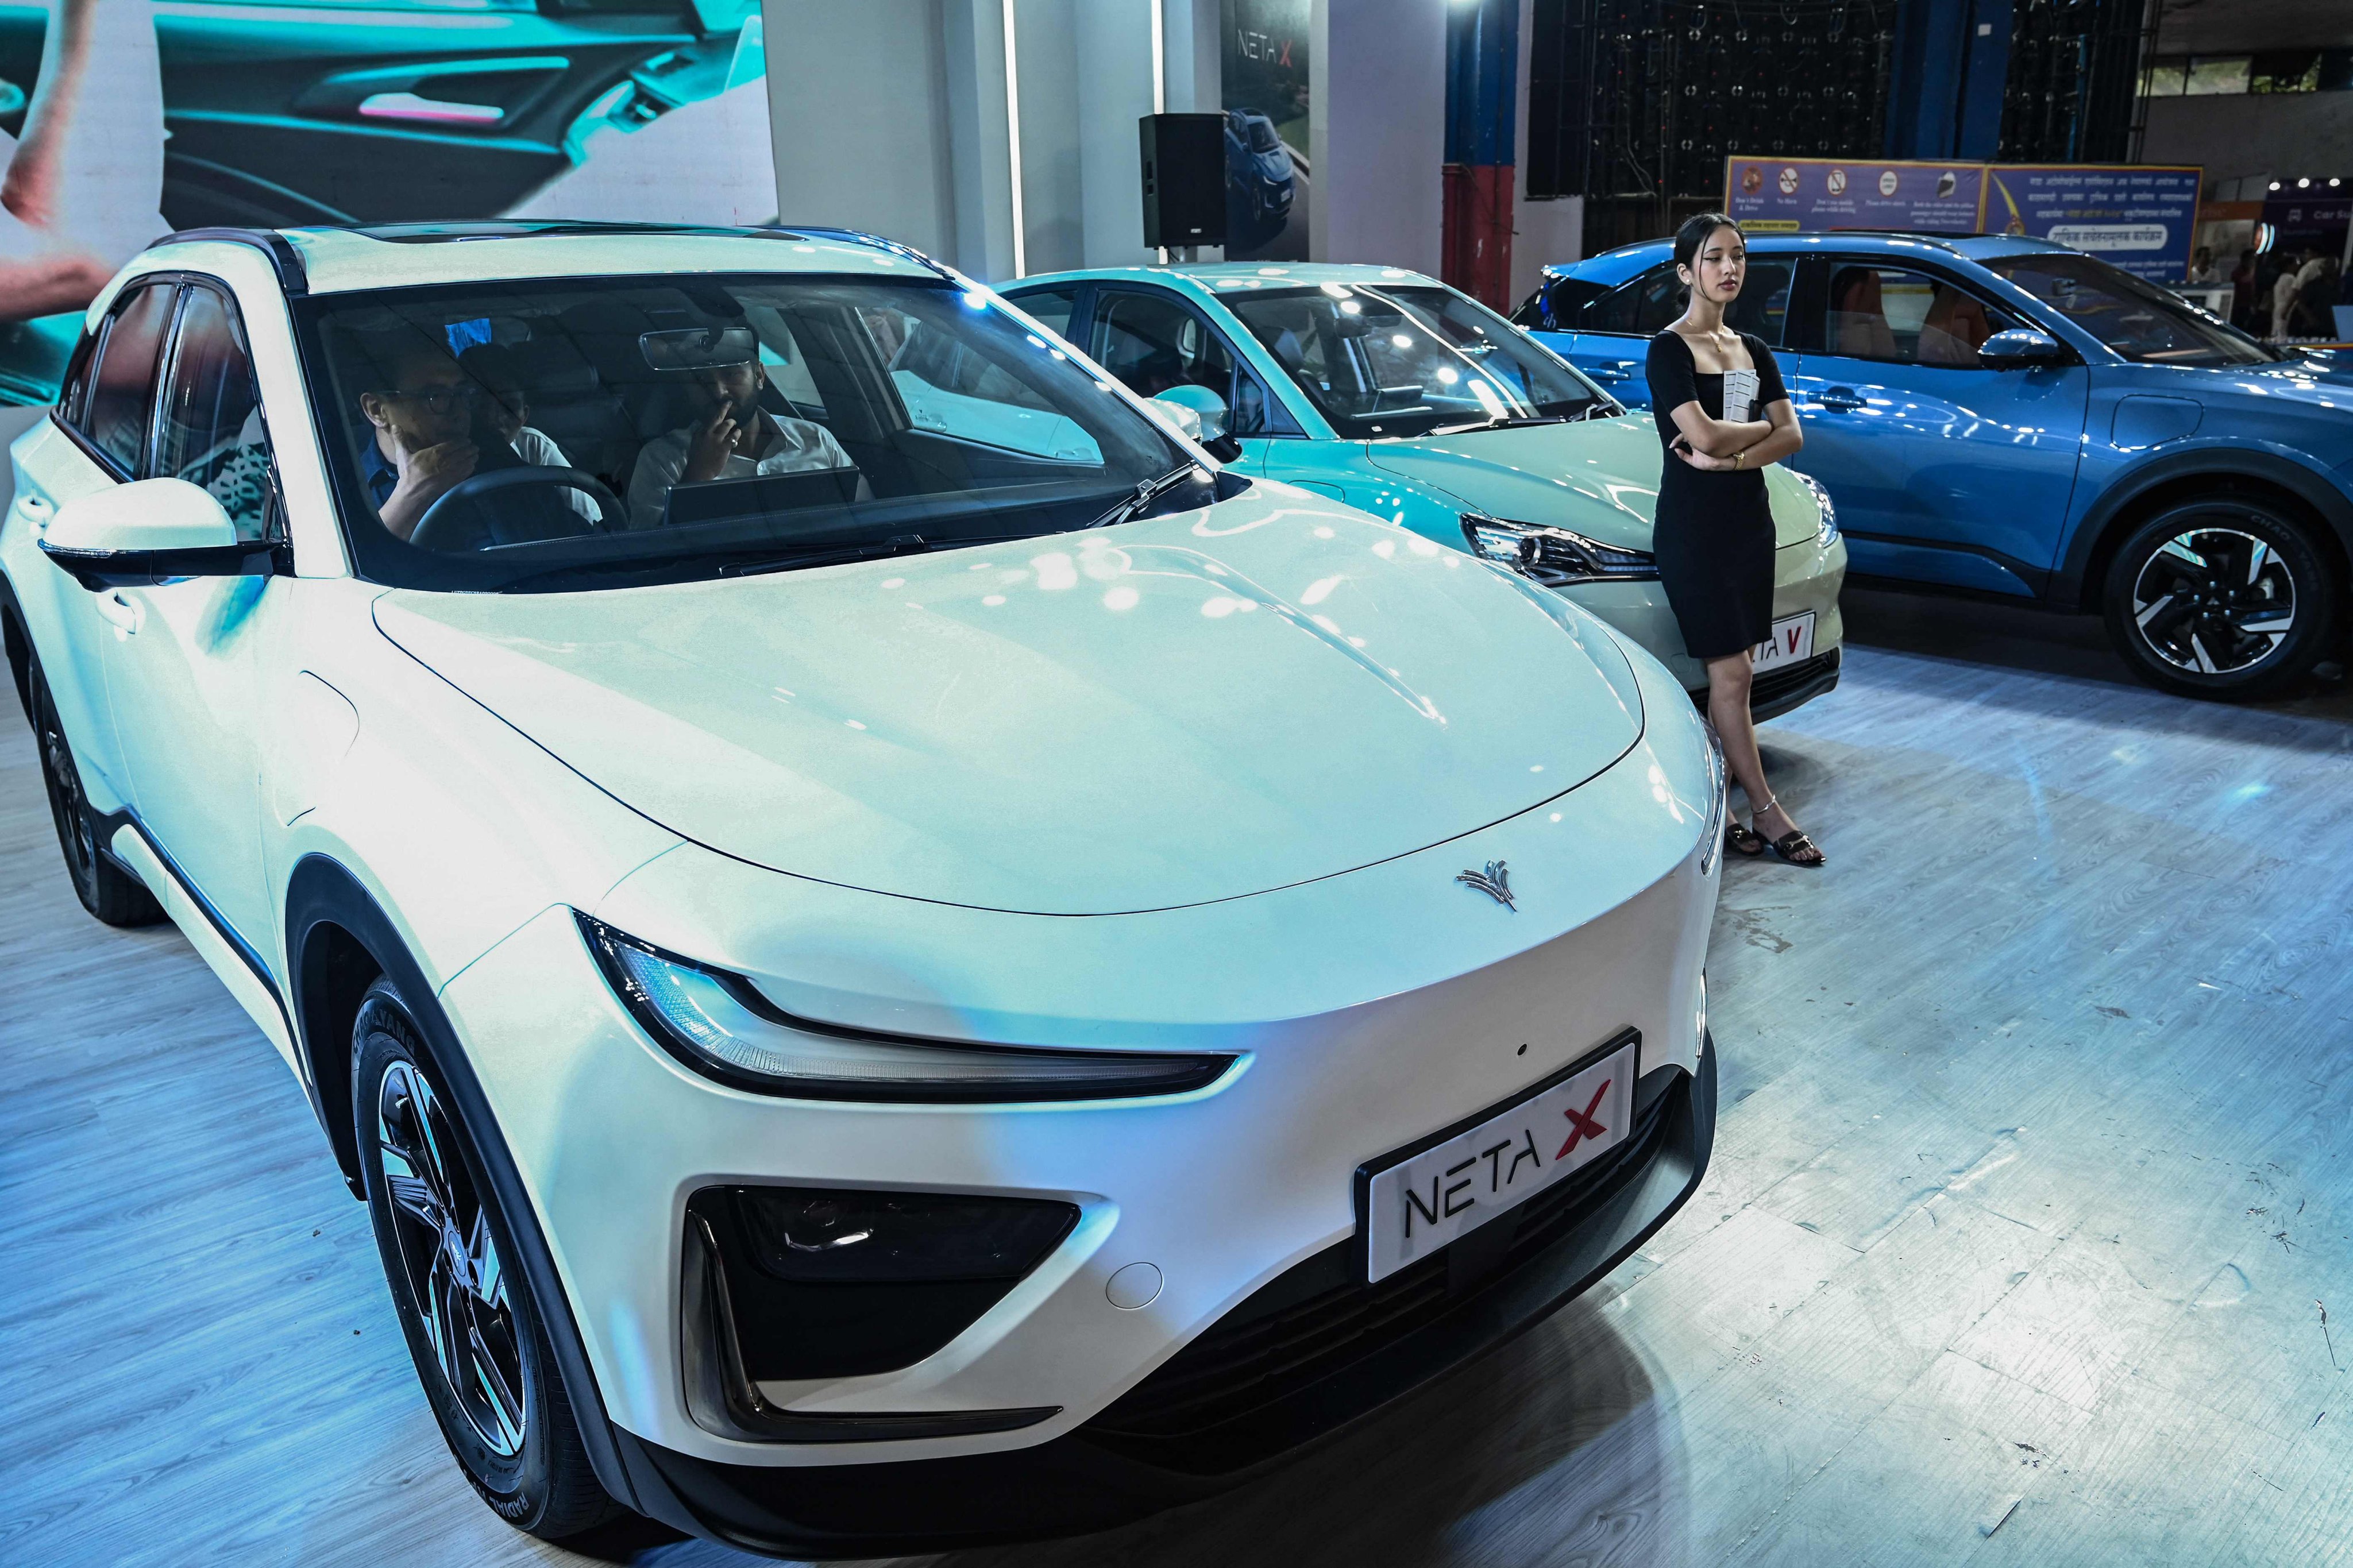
1722	412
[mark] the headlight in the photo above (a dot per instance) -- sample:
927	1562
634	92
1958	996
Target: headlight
720	1026
1555	556
1719	802
1827	535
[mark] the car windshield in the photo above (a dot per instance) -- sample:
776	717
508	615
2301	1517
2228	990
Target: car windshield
590	433
2137	319
1382	363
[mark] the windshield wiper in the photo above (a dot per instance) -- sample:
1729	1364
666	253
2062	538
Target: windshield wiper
1144	494
897	544
1508	422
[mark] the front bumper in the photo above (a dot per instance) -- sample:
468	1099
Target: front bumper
1309	1352
1806	576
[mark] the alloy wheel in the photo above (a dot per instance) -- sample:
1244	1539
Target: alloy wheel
457	1282
66	803
2214	601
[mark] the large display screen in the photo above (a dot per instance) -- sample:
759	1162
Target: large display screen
1265	98
124	120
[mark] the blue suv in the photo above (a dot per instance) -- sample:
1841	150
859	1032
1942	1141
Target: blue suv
2007	417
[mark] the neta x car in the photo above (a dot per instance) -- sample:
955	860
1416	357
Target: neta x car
887	981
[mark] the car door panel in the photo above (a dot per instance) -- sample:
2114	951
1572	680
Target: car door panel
187	678
1943	471
51	470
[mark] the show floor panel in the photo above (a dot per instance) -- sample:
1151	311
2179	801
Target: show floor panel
2032	1182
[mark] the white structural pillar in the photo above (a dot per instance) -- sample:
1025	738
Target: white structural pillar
901	117
1376	125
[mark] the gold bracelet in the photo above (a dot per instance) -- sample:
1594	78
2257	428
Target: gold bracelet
1740	459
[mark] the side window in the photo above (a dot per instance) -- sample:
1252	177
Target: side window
951	389
1638	309
1901	317
122	389
1050	306
1761	309
212	434
1153	342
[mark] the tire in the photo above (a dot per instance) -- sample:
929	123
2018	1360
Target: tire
504	1410
104	887
2222	595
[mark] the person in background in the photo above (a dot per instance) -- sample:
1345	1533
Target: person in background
2316	298
2242	291
505	408
2201	266
1723	414
2284	288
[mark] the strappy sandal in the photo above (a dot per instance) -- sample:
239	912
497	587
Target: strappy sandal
1742	840
1792	844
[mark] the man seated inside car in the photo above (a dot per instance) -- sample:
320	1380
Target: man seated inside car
736	439
428	441
504	410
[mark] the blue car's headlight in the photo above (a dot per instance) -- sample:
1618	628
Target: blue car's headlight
1557	557
720	1026
1827	533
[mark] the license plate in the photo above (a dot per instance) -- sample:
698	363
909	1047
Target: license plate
1792	640
1413	1201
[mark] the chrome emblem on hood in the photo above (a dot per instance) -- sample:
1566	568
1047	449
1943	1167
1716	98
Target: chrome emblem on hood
1496	881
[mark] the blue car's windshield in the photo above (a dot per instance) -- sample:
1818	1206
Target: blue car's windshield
2138	319
1388	361
596	432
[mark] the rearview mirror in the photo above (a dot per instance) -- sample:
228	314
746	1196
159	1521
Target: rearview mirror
2020	348
148	531
699	348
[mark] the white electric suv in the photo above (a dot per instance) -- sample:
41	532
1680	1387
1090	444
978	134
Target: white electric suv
899	960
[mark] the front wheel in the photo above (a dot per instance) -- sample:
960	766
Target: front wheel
472	1326
105	888
2223	596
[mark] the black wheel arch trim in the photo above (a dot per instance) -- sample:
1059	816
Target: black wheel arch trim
2072	581
323	892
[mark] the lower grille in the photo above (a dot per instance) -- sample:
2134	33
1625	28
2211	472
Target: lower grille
1317	1318
1775	685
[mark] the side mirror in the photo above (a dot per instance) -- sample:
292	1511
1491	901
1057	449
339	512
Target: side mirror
2020	348
148	531
1208	410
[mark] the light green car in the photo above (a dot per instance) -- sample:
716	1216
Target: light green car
1399	395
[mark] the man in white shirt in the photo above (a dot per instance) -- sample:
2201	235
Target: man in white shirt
736	440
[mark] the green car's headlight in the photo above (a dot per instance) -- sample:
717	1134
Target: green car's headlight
719	1025
1827	533
1557	557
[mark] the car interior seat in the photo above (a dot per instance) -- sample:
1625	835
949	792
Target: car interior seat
1859	326
1955	327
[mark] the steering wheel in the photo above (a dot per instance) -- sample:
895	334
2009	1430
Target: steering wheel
439	518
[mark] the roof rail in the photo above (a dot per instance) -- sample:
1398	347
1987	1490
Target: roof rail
283	256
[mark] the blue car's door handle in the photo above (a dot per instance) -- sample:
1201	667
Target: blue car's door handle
1841	398
1612	373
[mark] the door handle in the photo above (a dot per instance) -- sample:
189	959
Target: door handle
1841	398
124	614
38	508
1613	374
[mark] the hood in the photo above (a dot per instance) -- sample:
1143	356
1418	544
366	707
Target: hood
1599	477
1174	711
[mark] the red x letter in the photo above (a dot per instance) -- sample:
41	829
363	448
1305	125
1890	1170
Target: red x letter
1585	1127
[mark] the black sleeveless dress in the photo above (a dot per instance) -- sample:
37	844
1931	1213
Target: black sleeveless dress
1713	531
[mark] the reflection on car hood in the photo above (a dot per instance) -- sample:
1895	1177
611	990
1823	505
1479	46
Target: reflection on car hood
1600	477
1190	708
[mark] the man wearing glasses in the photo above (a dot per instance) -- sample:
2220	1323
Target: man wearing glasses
427	442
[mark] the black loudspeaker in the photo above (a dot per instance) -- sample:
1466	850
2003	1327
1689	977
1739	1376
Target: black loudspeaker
1184	179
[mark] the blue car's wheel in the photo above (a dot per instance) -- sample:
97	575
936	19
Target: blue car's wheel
2220	596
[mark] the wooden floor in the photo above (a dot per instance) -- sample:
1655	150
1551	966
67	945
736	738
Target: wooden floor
2034	1182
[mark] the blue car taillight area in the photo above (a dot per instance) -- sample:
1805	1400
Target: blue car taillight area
787	1284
